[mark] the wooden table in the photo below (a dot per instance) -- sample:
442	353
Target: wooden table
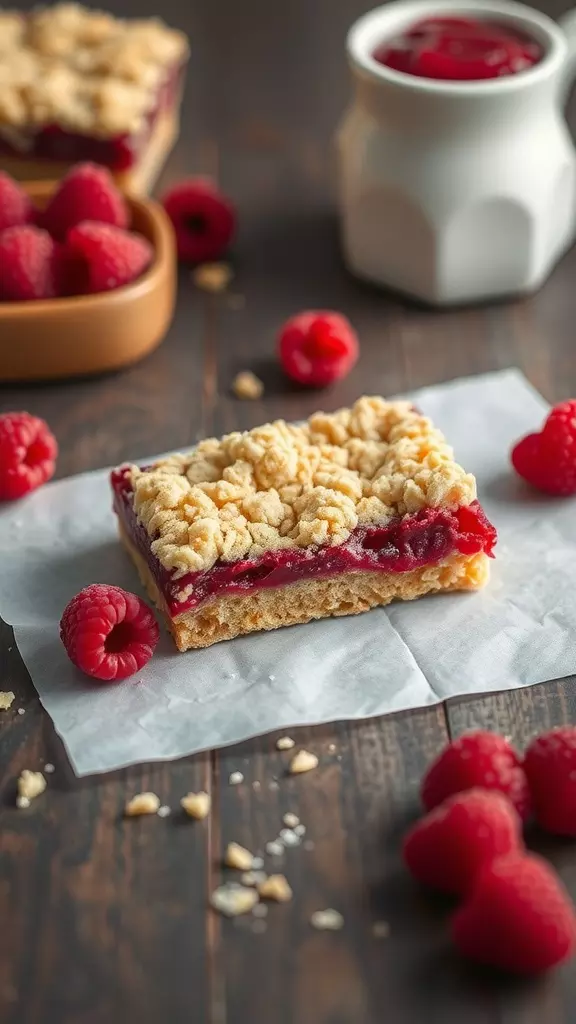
105	921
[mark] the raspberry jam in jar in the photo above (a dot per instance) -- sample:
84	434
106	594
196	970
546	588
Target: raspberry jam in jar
459	49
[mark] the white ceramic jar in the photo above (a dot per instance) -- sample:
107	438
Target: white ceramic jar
454	192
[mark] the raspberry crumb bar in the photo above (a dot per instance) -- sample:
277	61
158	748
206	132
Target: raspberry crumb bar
77	84
287	523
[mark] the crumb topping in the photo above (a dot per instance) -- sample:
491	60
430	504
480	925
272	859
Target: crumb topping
142	803
30	785
283	485
275	887
238	857
285	743
196	805
303	761
233	899
83	70
247	385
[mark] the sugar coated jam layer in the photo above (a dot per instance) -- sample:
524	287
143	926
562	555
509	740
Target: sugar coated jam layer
459	49
406	543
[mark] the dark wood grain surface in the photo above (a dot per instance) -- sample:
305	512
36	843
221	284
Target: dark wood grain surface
105	921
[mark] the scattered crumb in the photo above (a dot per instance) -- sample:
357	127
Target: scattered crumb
256	784
21	711
275	848
250	878
196	805
381	929
260	910
304	761
233	899
300	830
273	785
236	778
49	768
309	844
236	301
247	385
258	863
275	887
7	699
288	837
30	785
331	748
327	920
285	743
271	678
259	927
213	277
291	820
142	803
163	811
237	856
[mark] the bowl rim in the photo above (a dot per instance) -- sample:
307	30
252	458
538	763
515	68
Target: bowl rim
161	240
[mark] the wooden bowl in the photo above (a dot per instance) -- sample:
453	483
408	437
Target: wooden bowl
87	334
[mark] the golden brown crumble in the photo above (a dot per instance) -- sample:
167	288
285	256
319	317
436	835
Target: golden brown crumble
30	785
285	743
275	887
247	385
303	761
83	70
233	899
7	699
283	485
327	920
238	857
142	803
212	277
196	805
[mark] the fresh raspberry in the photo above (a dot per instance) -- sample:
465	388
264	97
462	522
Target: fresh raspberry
477	759
519	917
87	192
317	347
108	633
548	460
15	206
449	846
28	264
28	452
204	220
100	257
550	765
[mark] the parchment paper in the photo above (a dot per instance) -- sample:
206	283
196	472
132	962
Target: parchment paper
521	630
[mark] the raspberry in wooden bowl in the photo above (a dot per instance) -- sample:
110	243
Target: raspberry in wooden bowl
93	333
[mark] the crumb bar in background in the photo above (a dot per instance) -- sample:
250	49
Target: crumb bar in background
78	84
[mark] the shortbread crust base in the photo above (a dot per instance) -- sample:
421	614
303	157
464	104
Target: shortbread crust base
224	617
137	180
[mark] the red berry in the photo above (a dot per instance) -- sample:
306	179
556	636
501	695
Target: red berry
519	917
550	765
87	192
477	759
108	633
15	206
548	460
100	257
28	452
28	264
317	347
204	220
449	846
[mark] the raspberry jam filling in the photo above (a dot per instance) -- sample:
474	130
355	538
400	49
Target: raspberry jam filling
404	544
459	49
118	152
